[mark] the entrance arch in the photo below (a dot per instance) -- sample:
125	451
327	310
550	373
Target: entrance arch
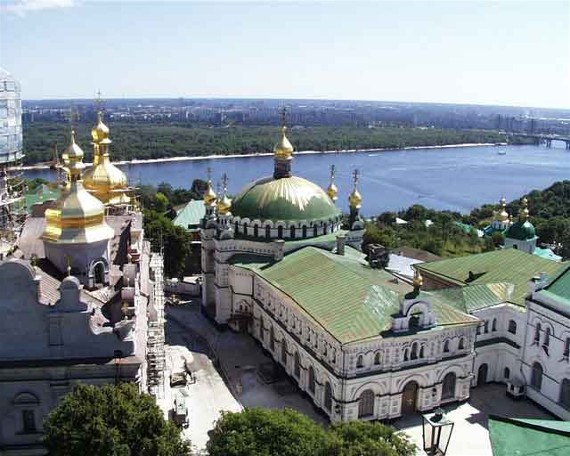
482	374
409	398
366	404
448	387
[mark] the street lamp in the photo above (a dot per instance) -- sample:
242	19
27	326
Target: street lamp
436	432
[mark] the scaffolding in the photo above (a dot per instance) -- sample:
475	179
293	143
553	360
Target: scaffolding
156	357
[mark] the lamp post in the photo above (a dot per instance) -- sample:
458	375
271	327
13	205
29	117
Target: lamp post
436	432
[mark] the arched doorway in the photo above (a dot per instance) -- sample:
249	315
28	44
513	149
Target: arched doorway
366	404
99	273
482	374
448	386
328	396
536	376
409	398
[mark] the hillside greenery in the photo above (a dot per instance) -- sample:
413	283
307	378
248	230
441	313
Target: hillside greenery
151	141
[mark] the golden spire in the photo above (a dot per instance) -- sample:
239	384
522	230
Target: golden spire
210	196
224	203
332	191
503	214
524	212
355	198
283	149
418	280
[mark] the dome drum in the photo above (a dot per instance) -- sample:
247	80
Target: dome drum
287	230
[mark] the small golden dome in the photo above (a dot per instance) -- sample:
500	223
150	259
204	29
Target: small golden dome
503	215
355	199
283	149
100	131
332	191
210	195
524	212
224	205
418	279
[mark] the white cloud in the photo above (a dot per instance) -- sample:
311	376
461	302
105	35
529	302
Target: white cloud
23	6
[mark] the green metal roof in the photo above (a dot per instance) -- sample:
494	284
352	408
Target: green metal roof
558	287
524	437
343	294
288	198
506	265
41	194
471	298
546	253
191	214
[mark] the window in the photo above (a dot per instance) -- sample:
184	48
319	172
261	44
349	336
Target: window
236	228
494	325
448	387
328	396
422	350
537	334
267	232
360	361
486	326
28	421
461	344
406	354
255	230
414	352
546	342
566	352
297	366
272	339
565	394
478	330
304	231
245	229
512	326
315	231
292	232
414	322
446	347
280	232
507	373
536	376
312	380
261	329
284	352
366	404
377	358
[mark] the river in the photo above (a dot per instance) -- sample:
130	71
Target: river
441	178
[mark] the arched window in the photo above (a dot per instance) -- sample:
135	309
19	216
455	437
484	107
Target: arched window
565	394
272	339
312	379
99	273
377	358
245	229
566	352
284	351
414	352
494	325
280	232
486	326
360	361
261	328
507	373
512	326
297	365
406	354
536	376
315	231
236	228
546	342
448	386
325	229
328	396
414	322
255	230
366	404
462	344
422	351
446	346
537	334
267	232
304	232
27	403
292	232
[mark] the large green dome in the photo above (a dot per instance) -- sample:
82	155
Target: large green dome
287	198
521	231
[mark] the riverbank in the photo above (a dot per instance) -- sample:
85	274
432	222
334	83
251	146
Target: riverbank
41	166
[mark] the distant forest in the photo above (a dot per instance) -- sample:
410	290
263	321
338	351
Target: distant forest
152	141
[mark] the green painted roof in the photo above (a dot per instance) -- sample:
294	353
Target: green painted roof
288	198
472	297
41	194
546	253
343	294
521	230
506	265
191	214
558	287
524	437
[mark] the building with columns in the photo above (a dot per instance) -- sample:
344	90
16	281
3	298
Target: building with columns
81	301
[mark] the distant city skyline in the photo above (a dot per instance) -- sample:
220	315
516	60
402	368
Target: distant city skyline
510	53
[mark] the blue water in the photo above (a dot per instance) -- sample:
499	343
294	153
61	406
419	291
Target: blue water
450	178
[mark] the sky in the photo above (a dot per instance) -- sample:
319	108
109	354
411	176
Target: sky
463	51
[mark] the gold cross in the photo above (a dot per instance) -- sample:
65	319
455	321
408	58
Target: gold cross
283	116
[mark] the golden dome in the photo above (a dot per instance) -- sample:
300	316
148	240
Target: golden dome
100	131
77	217
224	205
332	190
283	149
503	214
210	195
418	279
524	212
355	198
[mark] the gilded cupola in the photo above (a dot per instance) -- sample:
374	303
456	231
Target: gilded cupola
103	179
355	198
284	148
78	217
210	196
224	203
332	190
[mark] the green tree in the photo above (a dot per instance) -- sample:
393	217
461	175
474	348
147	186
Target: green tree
110	420
359	438
264	432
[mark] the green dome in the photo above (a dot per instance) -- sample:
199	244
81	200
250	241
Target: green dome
288	198
521	231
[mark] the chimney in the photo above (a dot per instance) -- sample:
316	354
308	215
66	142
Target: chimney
340	243
278	246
